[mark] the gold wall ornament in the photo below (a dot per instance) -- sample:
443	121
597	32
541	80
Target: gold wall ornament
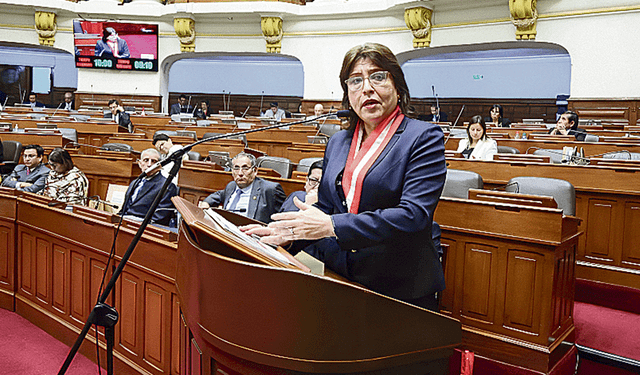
524	16
46	26
185	28
418	20
272	31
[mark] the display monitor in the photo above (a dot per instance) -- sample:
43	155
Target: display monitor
116	45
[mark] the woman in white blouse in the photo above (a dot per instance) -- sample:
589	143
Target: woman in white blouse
477	145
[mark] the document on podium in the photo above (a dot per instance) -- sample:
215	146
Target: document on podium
244	238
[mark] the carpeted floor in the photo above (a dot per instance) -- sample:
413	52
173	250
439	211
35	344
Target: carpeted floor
27	350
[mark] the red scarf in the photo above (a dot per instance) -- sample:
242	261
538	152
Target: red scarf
363	155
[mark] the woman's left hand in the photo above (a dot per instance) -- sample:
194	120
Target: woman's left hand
307	224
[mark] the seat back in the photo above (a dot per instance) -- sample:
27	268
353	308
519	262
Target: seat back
281	165
116	147
69	133
187	133
555	155
507	150
458	183
170	133
562	191
626	155
591	138
11	151
329	129
305	164
209	135
194	155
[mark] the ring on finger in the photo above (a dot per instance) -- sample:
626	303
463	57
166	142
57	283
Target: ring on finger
291	230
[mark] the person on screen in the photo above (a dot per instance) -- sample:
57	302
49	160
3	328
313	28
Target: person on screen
111	45
146	191
33	101
477	145
30	176
310	193
247	195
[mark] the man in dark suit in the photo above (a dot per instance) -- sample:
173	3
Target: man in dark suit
33	101
247	195
68	104
30	176
437	115
146	191
181	106
119	115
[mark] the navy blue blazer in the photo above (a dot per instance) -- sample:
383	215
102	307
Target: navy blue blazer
147	194
288	205
387	246
266	199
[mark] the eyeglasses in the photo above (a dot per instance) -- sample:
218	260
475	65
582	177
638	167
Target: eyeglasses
375	79
245	168
313	182
147	160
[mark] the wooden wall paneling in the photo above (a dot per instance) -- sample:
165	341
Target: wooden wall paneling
26	254
60	275
479	282
239	103
42	270
447	299
607	109
102	99
175	338
8	255
523	297
600	230
563	290
631	235
79	288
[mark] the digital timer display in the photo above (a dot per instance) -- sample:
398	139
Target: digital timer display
118	64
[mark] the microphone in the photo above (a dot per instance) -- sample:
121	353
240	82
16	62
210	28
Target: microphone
565	158
188	104
54	112
454	124
245	111
4	105
177	155
239	210
224	102
343	113
229	101
261	98
433	89
93	103
96	198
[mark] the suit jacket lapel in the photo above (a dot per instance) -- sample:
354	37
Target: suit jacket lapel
228	192
394	139
256	193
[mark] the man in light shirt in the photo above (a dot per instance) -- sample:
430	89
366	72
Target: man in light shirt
247	194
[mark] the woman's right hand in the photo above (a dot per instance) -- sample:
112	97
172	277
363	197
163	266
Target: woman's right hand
267	235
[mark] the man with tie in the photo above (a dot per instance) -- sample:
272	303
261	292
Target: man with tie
247	194
30	176
68	104
119	115
33	101
146	191
181	106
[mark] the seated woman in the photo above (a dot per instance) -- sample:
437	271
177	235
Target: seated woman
202	112
568	125
66	183
477	145
496	117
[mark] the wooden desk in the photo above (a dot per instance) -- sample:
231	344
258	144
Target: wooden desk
510	279
608	202
46	140
61	256
8	206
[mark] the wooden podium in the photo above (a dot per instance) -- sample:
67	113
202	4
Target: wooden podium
242	316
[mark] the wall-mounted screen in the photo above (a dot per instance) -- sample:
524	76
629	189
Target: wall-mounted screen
116	45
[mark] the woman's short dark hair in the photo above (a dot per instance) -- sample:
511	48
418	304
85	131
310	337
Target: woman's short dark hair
61	157
382	57
477	119
499	109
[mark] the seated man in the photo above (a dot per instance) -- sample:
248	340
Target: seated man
437	115
181	106
274	112
33	101
119	115
310	193
247	194
30	176
568	125
68	104
144	194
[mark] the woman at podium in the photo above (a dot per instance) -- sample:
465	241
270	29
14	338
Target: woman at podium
381	182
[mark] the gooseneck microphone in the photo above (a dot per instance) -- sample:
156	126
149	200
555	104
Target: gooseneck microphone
433	90
454	124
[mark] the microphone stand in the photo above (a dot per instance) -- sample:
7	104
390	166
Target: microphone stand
106	316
